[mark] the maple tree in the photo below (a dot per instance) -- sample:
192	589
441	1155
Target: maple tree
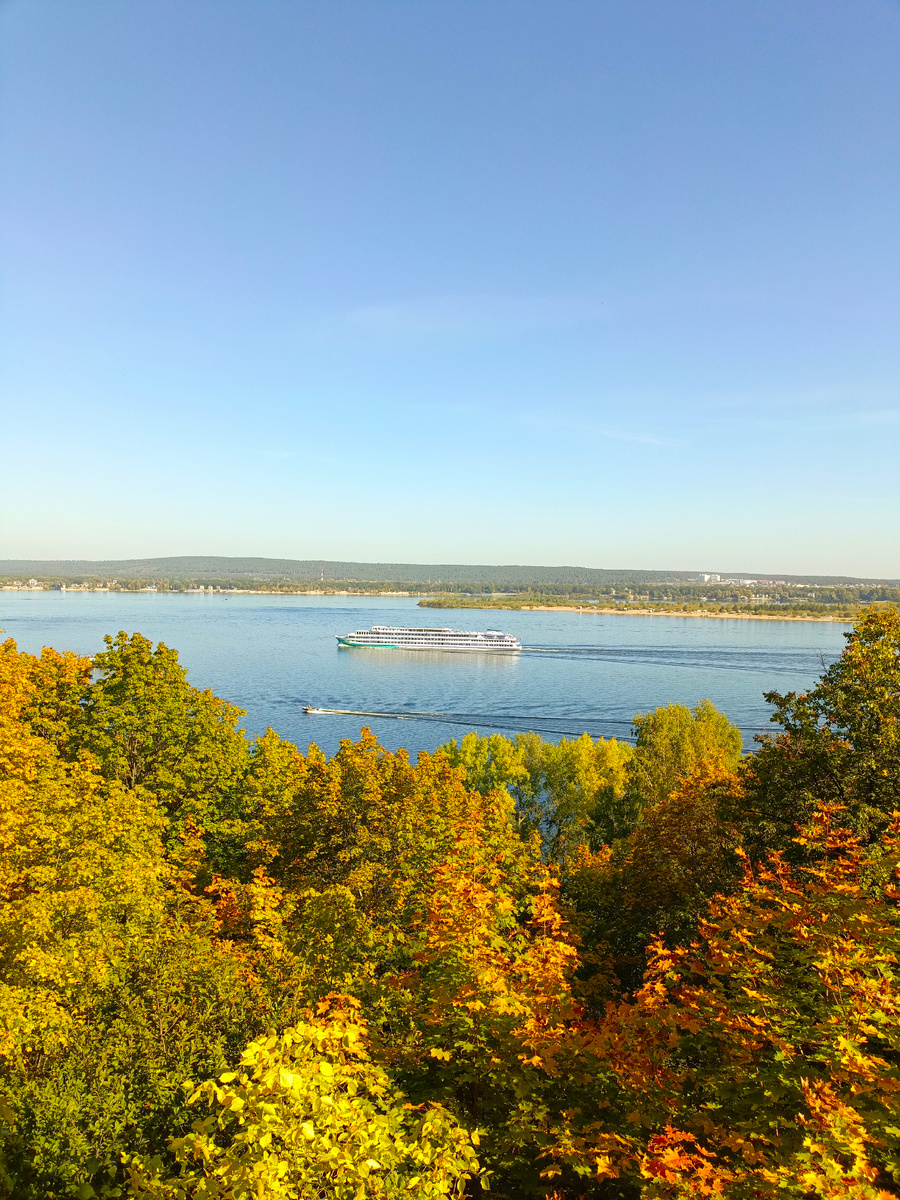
488	981
762	1059
148	728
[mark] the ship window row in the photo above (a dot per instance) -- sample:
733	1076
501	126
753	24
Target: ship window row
441	634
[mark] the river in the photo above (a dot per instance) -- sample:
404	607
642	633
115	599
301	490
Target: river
273	654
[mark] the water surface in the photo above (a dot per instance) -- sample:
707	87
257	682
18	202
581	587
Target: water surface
273	654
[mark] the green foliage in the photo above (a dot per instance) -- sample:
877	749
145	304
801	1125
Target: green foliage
841	741
672	742
560	791
514	766
637	592
150	730
492	762
655	882
308	1114
586	782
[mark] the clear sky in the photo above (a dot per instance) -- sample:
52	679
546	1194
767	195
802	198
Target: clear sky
606	282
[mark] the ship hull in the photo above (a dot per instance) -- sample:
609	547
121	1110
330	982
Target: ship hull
347	644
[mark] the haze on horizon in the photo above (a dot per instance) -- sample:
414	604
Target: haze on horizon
611	285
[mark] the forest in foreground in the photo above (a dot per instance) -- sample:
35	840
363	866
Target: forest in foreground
512	967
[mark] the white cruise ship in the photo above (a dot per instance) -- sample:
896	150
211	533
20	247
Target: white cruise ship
387	637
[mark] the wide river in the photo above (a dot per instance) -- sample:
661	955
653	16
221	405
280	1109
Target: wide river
272	654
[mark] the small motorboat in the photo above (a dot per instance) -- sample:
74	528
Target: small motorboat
310	711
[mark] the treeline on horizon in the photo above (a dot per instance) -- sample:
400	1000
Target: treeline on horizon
839	601
252	572
584	969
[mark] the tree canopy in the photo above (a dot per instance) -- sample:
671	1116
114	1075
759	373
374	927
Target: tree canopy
570	971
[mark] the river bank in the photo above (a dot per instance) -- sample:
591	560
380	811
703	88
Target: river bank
699	612
79	589
646	612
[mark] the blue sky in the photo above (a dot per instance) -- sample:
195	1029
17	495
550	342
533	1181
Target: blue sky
611	283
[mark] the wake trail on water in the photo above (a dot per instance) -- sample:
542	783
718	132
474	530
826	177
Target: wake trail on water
518	723
491	721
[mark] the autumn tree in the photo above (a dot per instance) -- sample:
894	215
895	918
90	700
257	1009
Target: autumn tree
482	1011
150	730
116	981
561	791
840	742
671	742
58	685
657	881
762	1060
307	1113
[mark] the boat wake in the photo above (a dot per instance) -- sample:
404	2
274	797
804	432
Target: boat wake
517	722
560	726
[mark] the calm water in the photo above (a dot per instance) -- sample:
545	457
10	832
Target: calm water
272	654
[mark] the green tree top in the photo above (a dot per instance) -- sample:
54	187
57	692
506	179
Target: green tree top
155	733
673	741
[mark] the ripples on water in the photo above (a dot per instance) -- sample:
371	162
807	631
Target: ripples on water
273	654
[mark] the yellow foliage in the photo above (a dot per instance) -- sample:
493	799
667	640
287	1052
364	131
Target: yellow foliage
75	853
308	1115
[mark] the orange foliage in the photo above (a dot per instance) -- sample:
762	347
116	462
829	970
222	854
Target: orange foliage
764	1056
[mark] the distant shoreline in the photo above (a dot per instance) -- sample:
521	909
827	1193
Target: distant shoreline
646	612
148	591
585	610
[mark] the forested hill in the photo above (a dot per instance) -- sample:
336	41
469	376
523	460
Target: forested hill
249	570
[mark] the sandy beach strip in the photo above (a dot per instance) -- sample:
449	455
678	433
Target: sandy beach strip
644	612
